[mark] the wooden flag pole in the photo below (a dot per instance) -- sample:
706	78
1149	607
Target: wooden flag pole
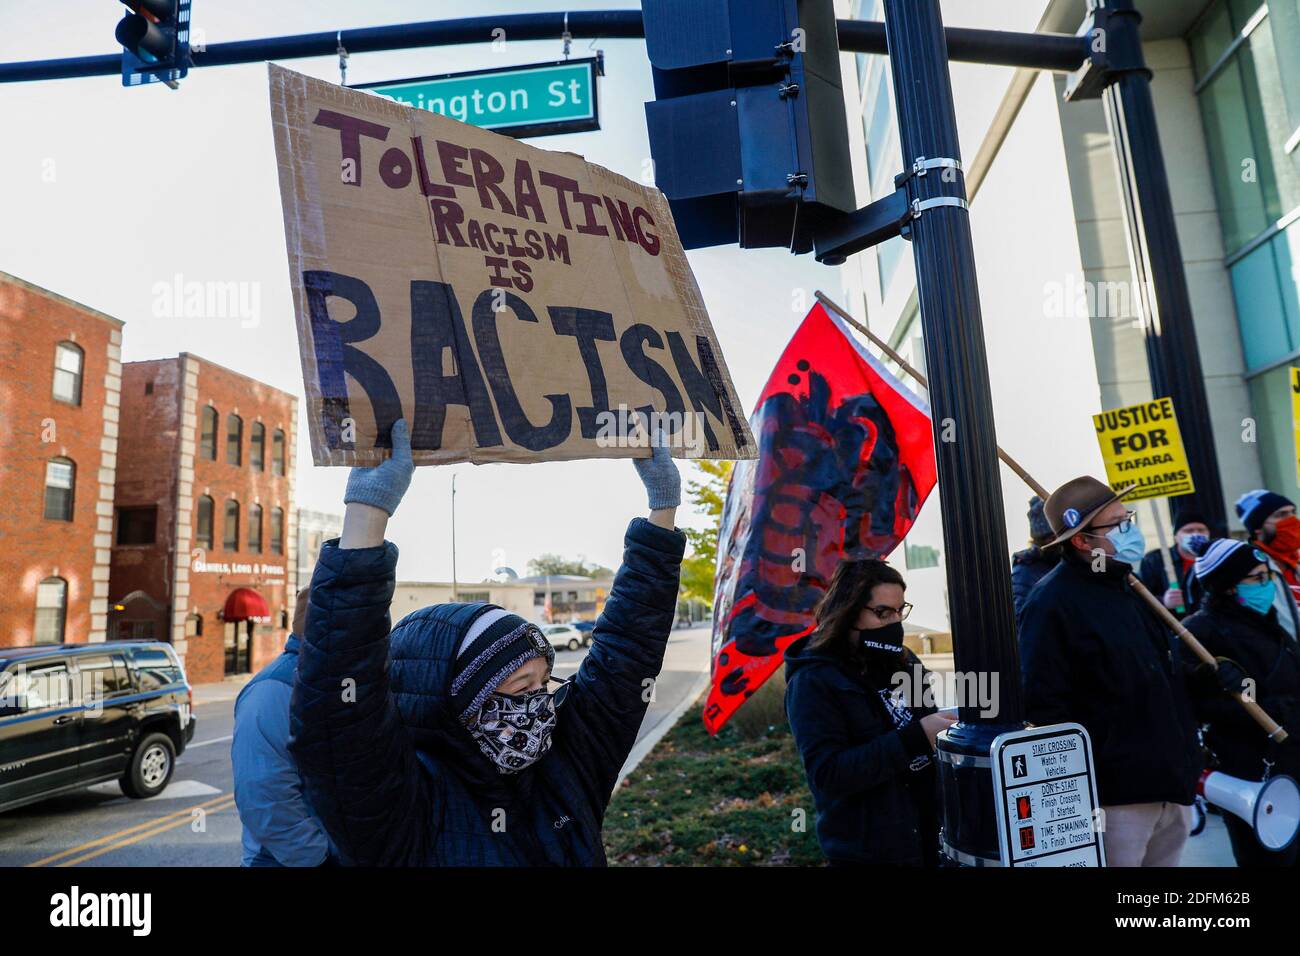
1270	726
881	344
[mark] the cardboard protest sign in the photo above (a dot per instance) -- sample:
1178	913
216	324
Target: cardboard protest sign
1295	415
1141	445
512	303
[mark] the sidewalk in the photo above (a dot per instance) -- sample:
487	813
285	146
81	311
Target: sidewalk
227	689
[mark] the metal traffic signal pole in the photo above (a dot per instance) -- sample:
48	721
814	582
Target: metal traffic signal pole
961	409
1173	358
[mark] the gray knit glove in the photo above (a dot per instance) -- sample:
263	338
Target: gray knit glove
384	485
661	478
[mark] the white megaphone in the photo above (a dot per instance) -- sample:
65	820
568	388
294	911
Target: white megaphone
1271	807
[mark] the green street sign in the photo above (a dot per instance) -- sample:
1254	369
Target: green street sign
536	100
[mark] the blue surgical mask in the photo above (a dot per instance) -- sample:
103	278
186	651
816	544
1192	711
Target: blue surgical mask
1129	545
1258	595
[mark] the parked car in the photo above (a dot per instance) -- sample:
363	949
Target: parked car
563	636
72	715
586	627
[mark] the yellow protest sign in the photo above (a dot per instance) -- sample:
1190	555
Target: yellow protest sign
1141	445
1295	415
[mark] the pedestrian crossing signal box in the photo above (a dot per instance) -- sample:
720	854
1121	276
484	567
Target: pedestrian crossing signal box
1045	793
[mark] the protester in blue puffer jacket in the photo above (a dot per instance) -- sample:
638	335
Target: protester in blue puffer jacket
439	745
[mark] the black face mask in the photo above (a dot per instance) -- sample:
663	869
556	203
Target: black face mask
885	640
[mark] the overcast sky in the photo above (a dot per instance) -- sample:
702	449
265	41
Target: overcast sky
107	192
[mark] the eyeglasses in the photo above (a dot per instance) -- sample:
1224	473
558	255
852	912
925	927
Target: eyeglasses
1259	578
889	614
1128	521
535	703
566	684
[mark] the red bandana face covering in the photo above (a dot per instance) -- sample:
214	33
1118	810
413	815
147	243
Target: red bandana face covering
1286	537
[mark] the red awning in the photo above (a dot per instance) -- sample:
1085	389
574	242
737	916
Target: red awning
245	604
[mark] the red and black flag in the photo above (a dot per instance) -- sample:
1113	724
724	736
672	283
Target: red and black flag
845	461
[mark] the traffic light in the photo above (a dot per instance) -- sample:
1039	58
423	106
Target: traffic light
155	40
748	128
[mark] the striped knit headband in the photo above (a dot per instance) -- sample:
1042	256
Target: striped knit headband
497	644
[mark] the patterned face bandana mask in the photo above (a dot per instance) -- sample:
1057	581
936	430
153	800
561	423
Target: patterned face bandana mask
514	730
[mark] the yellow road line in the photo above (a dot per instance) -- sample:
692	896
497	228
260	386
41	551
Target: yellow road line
180	815
216	808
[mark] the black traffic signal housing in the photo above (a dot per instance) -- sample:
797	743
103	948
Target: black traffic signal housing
748	129
155	38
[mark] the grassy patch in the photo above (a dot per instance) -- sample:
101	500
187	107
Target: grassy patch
729	800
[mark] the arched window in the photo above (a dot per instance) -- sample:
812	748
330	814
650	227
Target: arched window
255	528
234	439
203	532
257	447
208	433
277	453
51	611
60	483
277	531
68	360
230	533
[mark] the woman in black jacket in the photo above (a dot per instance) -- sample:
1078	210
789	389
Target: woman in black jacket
1237	621
855	698
440	743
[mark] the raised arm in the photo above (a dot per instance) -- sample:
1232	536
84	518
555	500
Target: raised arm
357	763
614	685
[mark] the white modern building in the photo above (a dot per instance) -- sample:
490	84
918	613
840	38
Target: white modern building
1061	321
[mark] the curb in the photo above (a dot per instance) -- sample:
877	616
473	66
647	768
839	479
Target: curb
218	691
669	721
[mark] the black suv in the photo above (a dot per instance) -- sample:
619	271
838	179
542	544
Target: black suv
72	715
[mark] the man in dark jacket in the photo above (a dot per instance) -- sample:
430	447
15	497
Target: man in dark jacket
1238	621
1191	535
1093	653
439	745
1031	565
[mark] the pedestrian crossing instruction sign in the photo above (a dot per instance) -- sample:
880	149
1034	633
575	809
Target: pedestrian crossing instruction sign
1141	445
1045	792
1295	415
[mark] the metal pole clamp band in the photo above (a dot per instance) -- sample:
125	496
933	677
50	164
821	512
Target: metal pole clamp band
921	205
921	164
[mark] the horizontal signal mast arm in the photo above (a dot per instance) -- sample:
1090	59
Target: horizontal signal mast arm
1042	51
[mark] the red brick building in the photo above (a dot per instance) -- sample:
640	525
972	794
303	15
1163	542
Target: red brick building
61	365
205	547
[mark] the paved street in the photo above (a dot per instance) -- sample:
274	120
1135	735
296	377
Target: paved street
194	822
